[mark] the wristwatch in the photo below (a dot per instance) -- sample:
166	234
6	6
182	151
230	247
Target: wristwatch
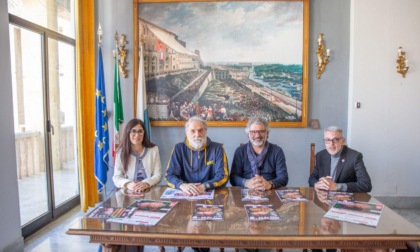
272	185
207	186
338	187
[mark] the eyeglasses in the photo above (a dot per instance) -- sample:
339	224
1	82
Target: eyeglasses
254	132
334	140
134	132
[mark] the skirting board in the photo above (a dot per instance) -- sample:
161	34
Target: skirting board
16	246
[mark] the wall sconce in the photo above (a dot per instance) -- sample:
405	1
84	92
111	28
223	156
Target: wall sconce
402	63
322	55
122	53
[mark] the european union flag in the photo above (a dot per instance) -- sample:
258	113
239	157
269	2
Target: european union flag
101	127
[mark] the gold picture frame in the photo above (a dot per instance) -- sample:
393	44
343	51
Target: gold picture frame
175	73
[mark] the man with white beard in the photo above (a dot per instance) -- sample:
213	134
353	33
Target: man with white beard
197	164
259	165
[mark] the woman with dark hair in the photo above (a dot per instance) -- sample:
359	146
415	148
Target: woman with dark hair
137	163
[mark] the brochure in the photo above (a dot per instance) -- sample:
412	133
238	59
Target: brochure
340	197
146	212
261	212
253	195
101	212
109	212
208	212
158	206
364	213
290	195
171	193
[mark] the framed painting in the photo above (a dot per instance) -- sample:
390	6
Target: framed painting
224	61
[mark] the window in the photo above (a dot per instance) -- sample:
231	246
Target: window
44	104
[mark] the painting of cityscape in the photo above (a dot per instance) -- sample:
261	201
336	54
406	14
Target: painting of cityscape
224	61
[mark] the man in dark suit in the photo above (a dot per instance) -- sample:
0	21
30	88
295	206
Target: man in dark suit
338	167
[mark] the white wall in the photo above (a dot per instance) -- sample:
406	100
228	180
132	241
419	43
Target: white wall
10	233
386	127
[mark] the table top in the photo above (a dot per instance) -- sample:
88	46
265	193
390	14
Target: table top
299	221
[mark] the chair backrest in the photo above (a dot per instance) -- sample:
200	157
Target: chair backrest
312	159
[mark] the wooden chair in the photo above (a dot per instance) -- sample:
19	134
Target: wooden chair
312	159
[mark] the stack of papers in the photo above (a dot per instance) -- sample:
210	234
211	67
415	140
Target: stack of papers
340	197
147	212
208	212
261	212
364	213
171	193
290	195
253	195
102	212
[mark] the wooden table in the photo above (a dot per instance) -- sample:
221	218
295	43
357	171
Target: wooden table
301	226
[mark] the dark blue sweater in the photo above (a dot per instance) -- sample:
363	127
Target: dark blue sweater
208	165
274	167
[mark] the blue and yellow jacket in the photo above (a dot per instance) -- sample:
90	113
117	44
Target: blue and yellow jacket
207	165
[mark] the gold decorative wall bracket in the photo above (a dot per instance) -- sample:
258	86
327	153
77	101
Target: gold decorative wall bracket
323	56
122	53
402	62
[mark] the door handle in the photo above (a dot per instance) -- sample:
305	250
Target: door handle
50	127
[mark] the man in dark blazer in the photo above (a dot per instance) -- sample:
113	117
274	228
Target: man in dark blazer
338	167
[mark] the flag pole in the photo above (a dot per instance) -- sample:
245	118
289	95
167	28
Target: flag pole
101	157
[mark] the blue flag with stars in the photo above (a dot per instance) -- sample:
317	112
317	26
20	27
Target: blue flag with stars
101	127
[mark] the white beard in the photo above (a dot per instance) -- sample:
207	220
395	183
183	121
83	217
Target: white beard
197	143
